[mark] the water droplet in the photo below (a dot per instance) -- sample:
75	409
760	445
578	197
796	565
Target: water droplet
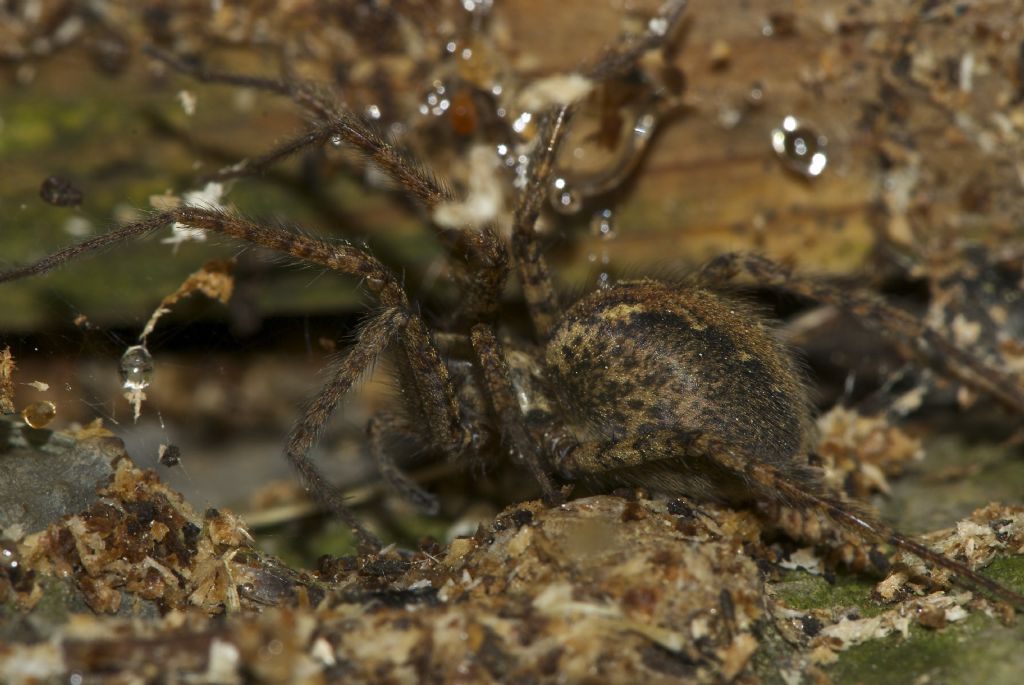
373	112
643	129
39	414
658	26
755	96
522	122
9	558
136	368
336	140
602	224
435	101
565	199
595	171
729	116
800	148
603	280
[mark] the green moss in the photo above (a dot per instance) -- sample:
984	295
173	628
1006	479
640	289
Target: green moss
56	601
411	528
802	591
977	650
300	544
25	133
1008	571
895	659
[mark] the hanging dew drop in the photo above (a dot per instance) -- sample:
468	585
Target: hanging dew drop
136	371
436	101
568	202
136	368
10	559
482	6
565	199
602	224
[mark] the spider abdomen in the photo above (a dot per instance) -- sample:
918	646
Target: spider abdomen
644	357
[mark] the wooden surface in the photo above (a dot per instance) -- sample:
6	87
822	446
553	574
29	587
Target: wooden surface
922	110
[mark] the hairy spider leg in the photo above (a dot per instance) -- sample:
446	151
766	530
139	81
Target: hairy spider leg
429	391
662	457
535	278
373	339
378	428
495	370
481	251
914	337
302	92
478	255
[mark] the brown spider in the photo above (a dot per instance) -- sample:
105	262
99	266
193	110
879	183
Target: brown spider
676	387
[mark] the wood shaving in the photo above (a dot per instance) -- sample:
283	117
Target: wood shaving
859	452
991	530
558	90
135	397
849	632
213	279
7	367
187	99
165	202
536	592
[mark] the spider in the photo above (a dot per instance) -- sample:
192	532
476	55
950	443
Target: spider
677	387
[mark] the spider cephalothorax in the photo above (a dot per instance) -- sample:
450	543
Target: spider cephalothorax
673	386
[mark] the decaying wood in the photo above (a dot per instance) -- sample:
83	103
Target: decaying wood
921	105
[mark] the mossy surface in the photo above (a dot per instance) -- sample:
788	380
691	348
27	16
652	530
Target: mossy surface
979	649
121	141
976	650
958	475
803	591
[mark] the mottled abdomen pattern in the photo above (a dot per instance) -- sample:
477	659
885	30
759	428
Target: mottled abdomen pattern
642	357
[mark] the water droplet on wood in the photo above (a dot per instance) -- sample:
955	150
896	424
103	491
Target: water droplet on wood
39	414
800	148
